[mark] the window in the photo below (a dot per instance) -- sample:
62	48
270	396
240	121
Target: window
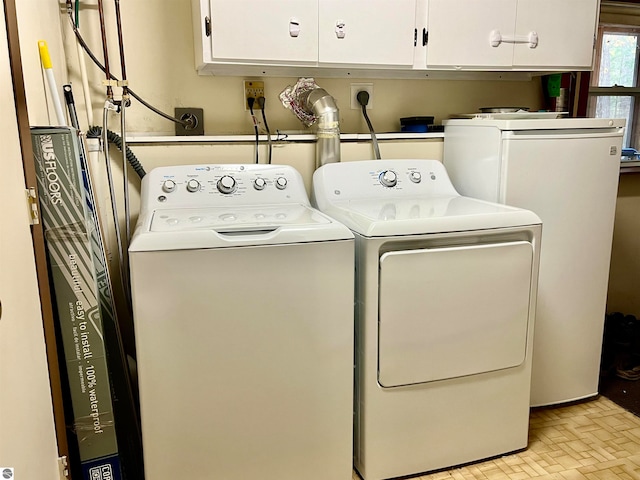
615	89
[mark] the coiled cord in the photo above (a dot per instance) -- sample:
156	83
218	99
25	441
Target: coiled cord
96	132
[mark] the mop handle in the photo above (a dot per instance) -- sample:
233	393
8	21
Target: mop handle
48	71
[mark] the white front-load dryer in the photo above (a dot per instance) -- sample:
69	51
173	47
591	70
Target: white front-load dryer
243	305
445	304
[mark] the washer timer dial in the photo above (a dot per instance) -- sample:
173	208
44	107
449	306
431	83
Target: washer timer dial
388	178
226	185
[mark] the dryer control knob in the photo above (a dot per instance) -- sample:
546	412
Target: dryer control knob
388	178
259	183
168	186
415	177
281	183
193	185
226	185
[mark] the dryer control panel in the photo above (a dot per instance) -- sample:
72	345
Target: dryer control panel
381	179
221	185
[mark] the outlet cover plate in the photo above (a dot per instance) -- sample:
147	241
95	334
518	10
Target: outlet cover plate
358	87
195	113
253	89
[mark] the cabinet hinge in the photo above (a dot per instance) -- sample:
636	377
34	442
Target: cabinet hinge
415	37
63	468
207	26
425	37
32	205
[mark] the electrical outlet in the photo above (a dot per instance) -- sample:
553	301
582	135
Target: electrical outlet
253	89
358	87
194	118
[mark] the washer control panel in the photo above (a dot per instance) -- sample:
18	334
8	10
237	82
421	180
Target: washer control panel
222	185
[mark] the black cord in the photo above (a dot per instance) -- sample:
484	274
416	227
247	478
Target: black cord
251	101
261	102
363	99
96	132
131	92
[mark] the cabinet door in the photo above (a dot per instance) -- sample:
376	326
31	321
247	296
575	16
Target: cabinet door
367	32
273	32
565	30
460	33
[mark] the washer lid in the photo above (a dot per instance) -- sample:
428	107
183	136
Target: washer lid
387	217
235	219
215	227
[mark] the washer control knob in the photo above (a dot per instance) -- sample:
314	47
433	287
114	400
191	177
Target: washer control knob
193	185
168	186
259	183
388	178
281	183
415	177
226	185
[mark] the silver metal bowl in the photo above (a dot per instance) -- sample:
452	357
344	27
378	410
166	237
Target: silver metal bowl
503	109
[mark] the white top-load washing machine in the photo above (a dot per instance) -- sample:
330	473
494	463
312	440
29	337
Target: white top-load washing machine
243	306
445	301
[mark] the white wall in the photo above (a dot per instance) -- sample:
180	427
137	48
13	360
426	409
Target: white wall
27	434
40	20
624	278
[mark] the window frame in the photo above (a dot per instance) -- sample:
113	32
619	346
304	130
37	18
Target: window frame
596	91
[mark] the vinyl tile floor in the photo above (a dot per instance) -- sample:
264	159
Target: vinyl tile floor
592	440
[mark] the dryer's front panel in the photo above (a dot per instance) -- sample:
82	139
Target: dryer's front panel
452	312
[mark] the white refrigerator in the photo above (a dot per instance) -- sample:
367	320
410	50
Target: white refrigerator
566	171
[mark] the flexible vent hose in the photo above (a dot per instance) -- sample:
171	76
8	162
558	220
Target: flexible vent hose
312	104
96	132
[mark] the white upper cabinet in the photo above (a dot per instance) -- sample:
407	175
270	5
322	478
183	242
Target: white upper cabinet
459	32
565	29
367	32
392	38
264	31
311	32
511	34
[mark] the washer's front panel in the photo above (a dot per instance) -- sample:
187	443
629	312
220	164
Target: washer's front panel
453	312
245	361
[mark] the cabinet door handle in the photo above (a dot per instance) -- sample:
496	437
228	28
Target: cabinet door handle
496	38
340	28
294	27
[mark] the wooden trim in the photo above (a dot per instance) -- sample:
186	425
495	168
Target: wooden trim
582	100
37	232
614	91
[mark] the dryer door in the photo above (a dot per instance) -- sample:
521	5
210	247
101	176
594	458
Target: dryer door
451	312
